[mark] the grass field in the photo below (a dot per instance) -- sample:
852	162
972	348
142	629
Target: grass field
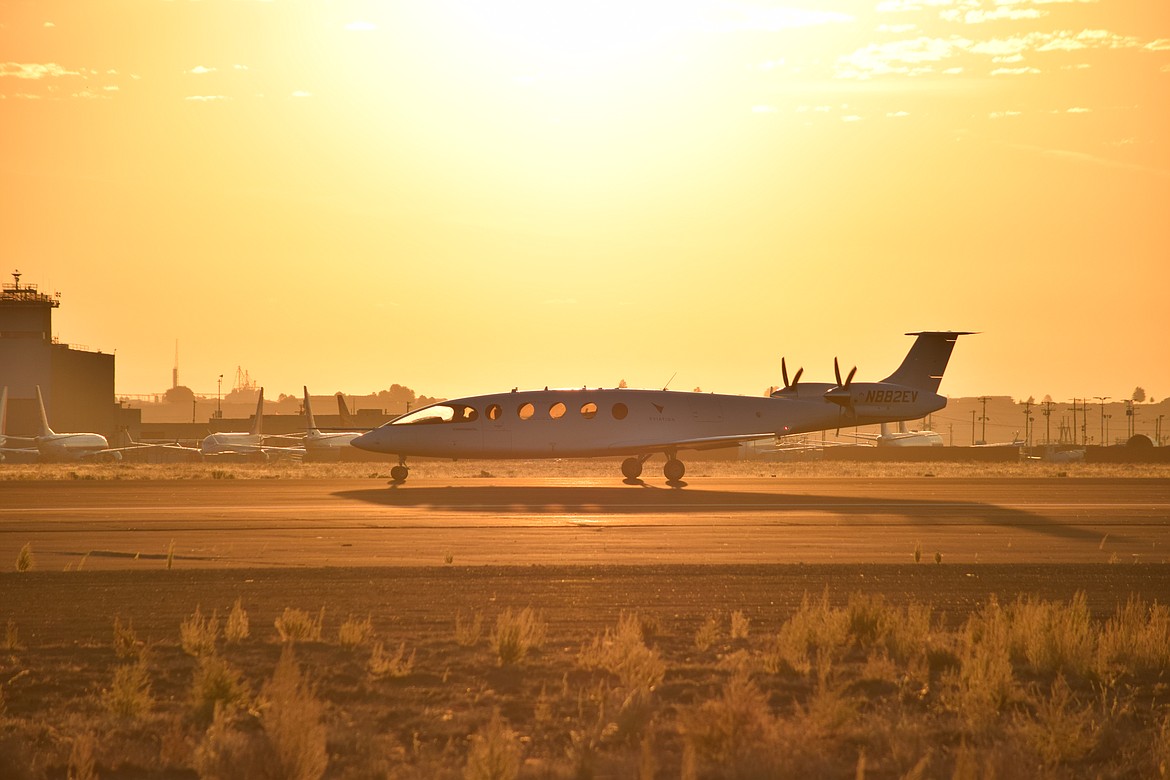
577	672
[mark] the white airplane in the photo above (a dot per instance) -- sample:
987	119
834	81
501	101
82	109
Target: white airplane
52	447
901	437
318	441
638	423
250	443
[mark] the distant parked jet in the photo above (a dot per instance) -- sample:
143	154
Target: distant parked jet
250	443
638	423
52	447
901	437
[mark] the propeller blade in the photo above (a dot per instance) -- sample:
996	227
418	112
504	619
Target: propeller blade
849	378
784	372
837	371
796	378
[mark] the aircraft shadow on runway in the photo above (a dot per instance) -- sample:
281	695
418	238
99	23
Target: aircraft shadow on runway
624	501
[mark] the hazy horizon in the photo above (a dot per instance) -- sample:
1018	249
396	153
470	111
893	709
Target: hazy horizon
464	198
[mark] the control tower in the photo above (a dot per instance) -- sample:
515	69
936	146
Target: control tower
78	384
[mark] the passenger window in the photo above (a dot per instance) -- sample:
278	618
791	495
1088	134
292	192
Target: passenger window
589	410
526	411
620	411
556	411
494	412
464	414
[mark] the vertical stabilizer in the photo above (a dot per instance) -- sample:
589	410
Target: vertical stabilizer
309	410
259	423
45	429
926	361
343	412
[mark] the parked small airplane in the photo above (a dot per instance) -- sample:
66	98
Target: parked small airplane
639	423
50	446
316	440
250	443
901	437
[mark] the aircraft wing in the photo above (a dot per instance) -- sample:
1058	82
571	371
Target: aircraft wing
700	443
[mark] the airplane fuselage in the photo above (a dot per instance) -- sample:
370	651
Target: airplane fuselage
68	447
225	443
592	423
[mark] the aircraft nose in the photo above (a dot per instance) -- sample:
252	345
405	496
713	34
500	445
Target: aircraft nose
364	441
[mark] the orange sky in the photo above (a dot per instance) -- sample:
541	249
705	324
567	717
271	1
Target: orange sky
466	196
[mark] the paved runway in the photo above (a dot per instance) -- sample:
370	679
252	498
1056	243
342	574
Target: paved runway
300	523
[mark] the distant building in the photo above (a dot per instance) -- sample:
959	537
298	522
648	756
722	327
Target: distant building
77	384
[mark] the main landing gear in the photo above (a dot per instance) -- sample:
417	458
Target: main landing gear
399	473
673	470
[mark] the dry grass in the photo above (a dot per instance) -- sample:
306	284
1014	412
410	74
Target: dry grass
129	695
467	633
24	559
383	665
355	633
495	752
516	634
623	653
126	642
885	691
198	634
216	684
291	716
296	625
236	629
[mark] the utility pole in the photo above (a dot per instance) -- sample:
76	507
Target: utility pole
1027	423
1102	399
983	400
1074	425
1129	421
1108	417
218	393
1158	429
973	427
1048	422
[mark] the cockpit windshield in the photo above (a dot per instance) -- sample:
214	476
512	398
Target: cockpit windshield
439	414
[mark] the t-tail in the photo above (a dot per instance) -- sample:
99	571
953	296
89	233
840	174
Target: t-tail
45	429
926	361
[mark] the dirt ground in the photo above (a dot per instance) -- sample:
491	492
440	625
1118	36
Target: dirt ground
890	713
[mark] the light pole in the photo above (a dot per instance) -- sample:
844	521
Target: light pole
1108	417
218	393
1102	399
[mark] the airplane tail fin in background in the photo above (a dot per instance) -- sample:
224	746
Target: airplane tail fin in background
343	412
258	424
926	361
45	429
309	411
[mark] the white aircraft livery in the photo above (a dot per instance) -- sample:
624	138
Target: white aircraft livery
587	423
52	447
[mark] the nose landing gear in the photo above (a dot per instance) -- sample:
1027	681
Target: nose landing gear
399	473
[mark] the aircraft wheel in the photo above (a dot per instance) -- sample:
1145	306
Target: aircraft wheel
399	473
674	470
631	468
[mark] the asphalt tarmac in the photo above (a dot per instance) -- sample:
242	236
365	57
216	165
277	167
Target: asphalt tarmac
217	524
